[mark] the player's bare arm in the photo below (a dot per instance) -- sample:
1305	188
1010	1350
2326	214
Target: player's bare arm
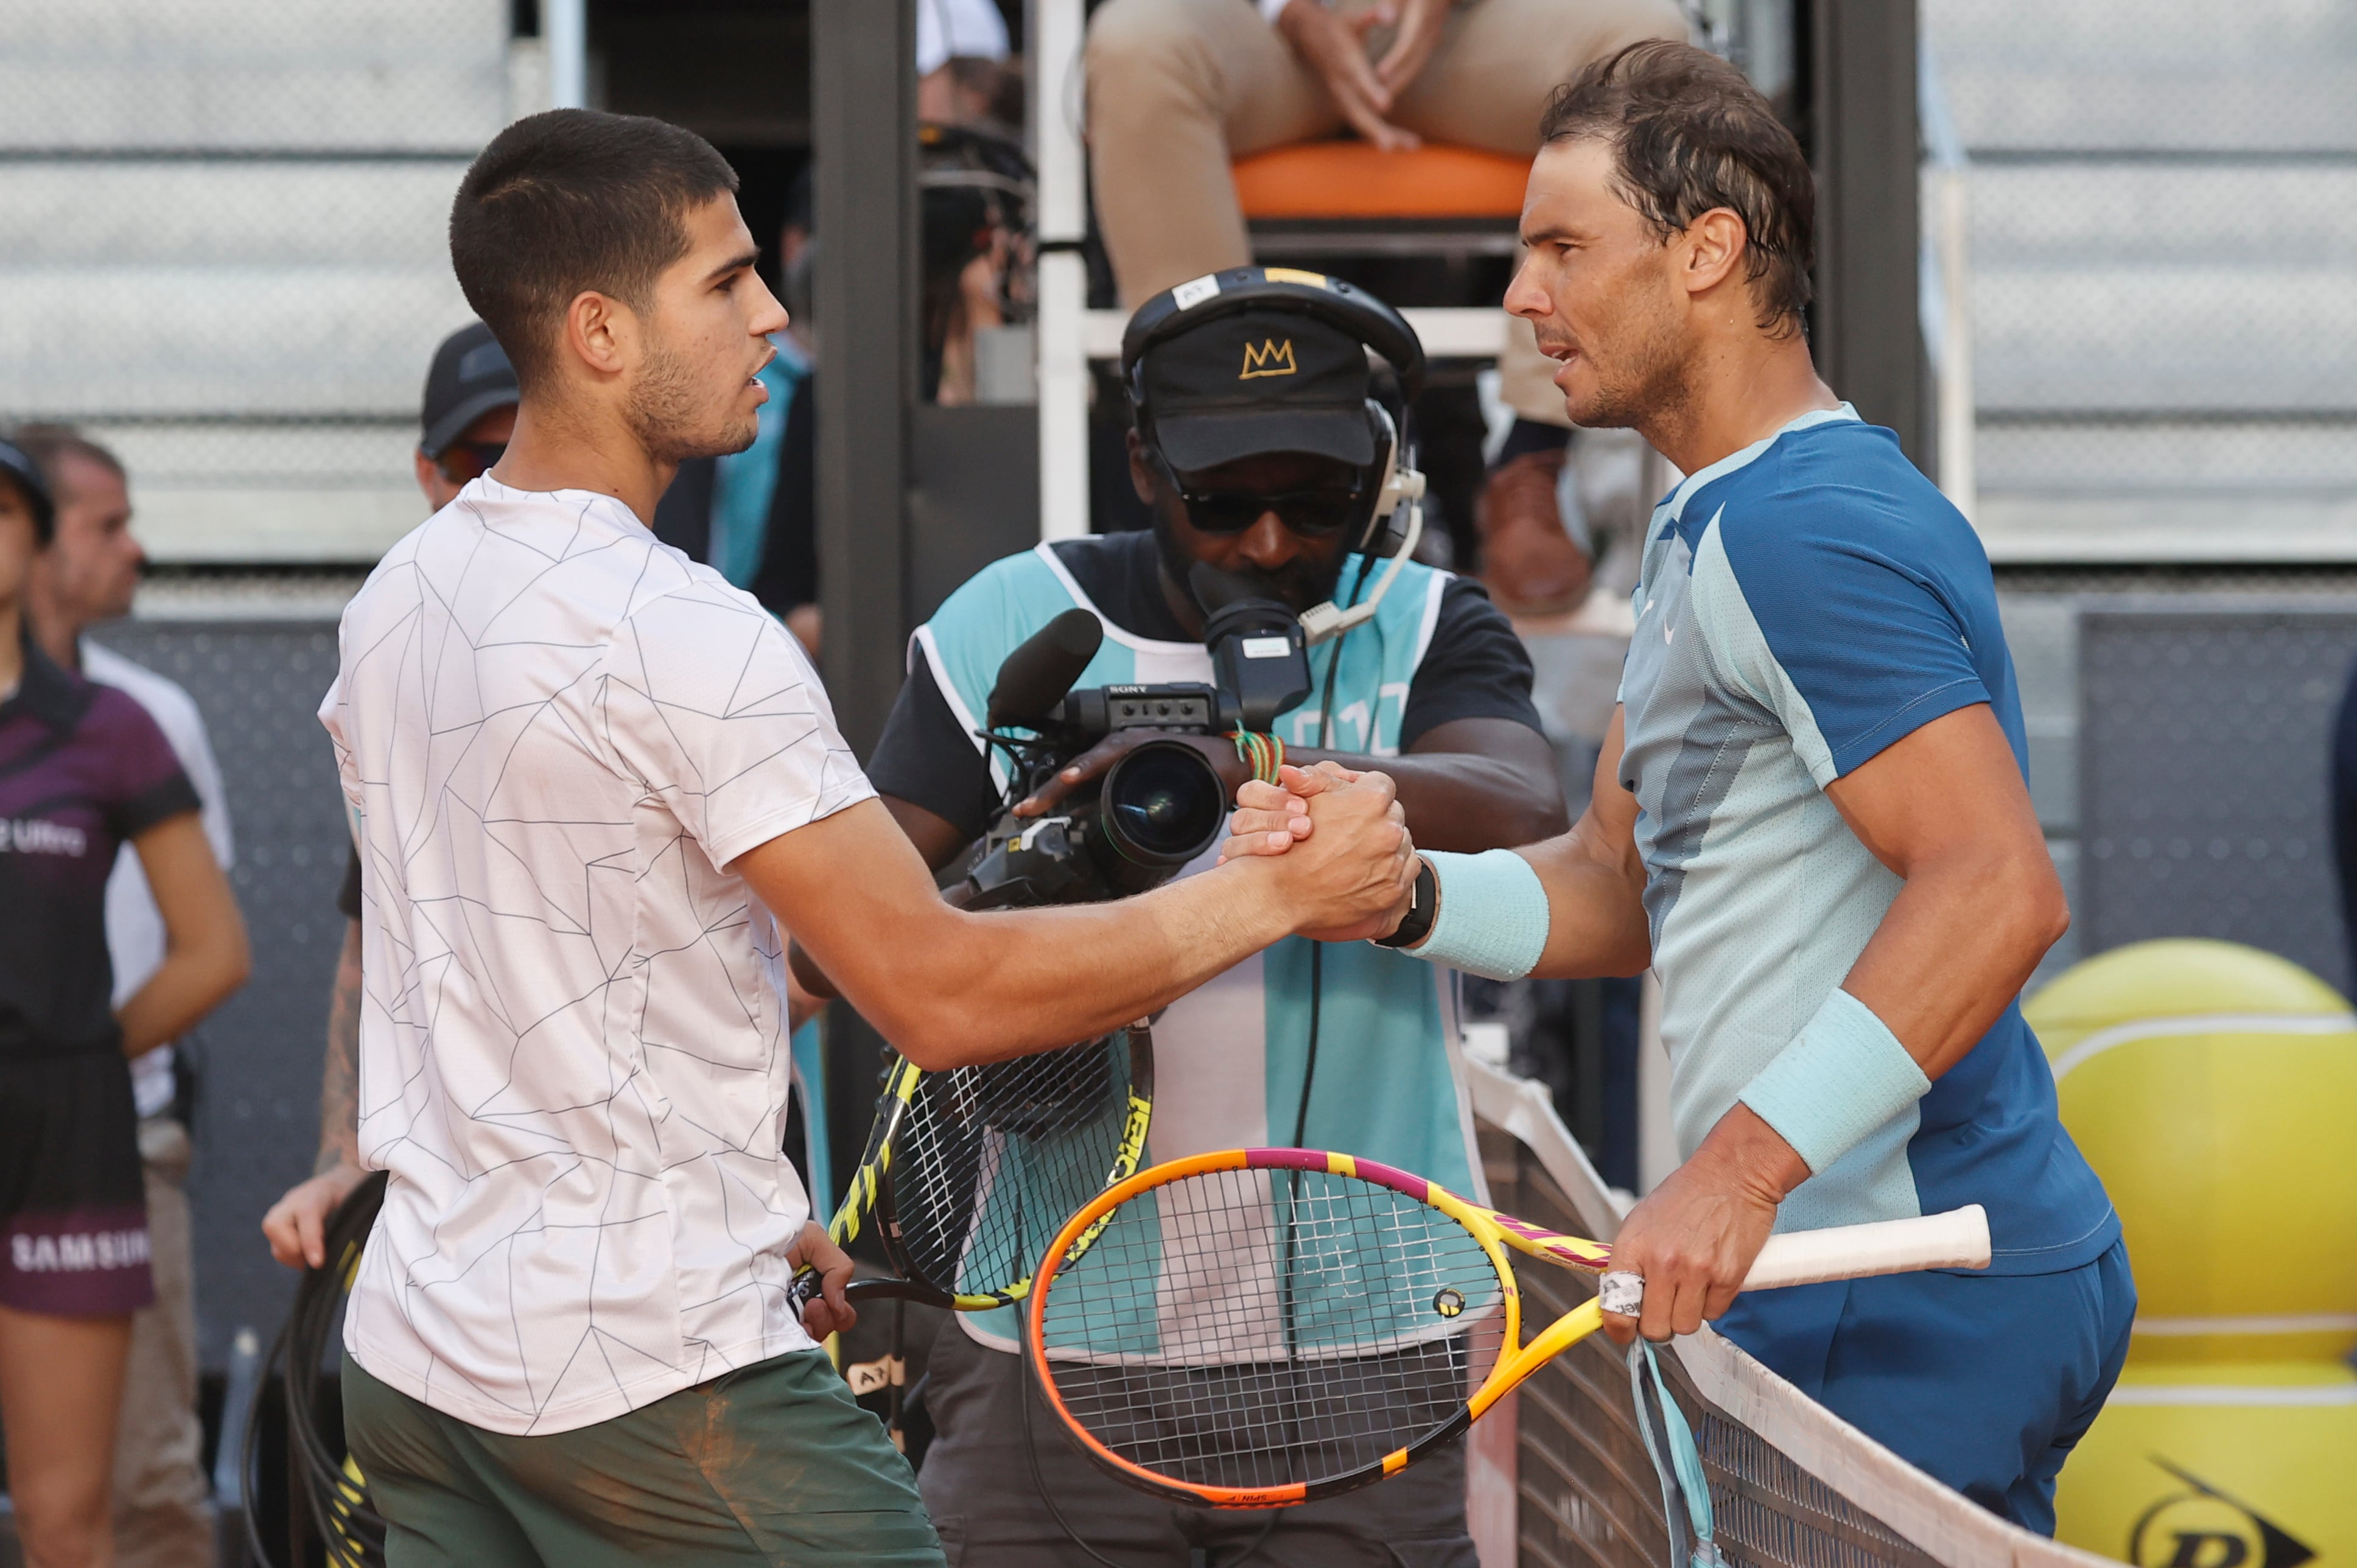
297	1225
1593	881
949	988
206	956
1945	809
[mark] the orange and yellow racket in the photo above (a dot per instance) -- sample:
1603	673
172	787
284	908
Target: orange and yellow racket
1267	1327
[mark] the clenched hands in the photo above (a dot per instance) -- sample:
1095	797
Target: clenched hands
1334	45
1355	864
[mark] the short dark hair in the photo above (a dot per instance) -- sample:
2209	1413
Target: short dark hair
47	444
1689	134
575	200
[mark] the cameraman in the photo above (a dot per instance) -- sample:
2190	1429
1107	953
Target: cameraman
1260	450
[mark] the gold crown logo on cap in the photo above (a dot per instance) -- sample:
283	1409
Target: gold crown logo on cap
1271	359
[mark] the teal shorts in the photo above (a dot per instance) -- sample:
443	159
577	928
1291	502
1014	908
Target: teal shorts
771	1463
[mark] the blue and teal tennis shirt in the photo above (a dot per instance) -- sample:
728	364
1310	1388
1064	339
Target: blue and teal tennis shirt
1804	604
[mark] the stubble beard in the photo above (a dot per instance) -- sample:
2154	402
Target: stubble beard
672	417
1646	387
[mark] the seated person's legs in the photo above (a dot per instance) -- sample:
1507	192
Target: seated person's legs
1176	87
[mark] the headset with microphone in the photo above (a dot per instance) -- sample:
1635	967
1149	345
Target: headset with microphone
1397	502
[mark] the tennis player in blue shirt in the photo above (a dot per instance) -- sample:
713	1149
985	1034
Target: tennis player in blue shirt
1811	817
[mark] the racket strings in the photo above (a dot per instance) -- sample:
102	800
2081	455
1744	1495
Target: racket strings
1253	1328
991	1160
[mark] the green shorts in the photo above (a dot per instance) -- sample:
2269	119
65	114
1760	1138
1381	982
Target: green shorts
771	1463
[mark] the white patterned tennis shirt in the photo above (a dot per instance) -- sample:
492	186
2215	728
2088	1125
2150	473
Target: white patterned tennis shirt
557	734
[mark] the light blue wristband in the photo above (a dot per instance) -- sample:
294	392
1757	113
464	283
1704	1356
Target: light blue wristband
1493	915
1843	1075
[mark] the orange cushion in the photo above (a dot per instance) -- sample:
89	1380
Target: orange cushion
1351	179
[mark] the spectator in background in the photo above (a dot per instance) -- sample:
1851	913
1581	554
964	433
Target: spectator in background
962	76
469	414
1176	87
163	1512
83	770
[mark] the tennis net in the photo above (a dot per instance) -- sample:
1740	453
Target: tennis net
1790	1484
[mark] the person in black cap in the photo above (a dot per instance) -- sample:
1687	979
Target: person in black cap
471	404
1262	444
469	413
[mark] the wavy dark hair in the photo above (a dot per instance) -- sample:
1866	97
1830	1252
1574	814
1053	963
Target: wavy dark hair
1689	134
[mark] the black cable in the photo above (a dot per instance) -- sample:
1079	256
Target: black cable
1317	950
352	1532
1038	1481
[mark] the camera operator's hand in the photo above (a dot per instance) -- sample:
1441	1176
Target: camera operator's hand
1349	878
1098	760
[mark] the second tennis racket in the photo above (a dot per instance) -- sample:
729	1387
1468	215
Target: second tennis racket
1268	1326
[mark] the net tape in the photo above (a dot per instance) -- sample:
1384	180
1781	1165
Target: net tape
1790	1484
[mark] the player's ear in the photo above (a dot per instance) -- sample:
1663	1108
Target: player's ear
1713	245
600	332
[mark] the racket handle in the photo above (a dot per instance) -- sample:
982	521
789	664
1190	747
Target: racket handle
1957	1240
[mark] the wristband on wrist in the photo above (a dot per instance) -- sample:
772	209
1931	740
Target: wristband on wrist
1490	918
1843	1076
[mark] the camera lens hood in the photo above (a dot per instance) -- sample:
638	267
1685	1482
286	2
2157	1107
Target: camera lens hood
1162	804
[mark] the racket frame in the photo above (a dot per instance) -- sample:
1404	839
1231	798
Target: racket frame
871	1187
1497	1234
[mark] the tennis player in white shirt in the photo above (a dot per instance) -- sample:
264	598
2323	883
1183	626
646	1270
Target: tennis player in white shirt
585	771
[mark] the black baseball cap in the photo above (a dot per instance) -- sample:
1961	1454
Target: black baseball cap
1262	379
17	465
471	376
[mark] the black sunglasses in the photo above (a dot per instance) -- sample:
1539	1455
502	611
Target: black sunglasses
1317	513
1312	513
470	461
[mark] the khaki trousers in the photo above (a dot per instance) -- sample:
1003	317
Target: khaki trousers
1176	87
162	1508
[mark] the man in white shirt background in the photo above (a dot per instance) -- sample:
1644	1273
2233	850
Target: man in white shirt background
163	1510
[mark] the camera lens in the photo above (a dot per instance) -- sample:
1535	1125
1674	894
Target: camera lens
1164	805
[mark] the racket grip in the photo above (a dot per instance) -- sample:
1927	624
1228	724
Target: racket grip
805	1285
1957	1240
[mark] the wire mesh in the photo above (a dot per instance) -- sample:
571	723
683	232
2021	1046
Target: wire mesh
1588	1495
2158	246
990	1161
1253	1329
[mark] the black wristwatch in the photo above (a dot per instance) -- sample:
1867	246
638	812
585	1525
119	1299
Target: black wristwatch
1423	909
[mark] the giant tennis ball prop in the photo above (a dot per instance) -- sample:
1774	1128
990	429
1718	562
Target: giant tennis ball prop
2214	1089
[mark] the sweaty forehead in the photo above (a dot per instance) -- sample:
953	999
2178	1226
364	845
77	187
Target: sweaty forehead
1573	191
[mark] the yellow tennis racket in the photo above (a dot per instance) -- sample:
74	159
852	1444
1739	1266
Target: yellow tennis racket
968	1171
1267	1327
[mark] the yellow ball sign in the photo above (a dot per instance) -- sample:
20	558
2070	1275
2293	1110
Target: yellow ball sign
2213	1088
